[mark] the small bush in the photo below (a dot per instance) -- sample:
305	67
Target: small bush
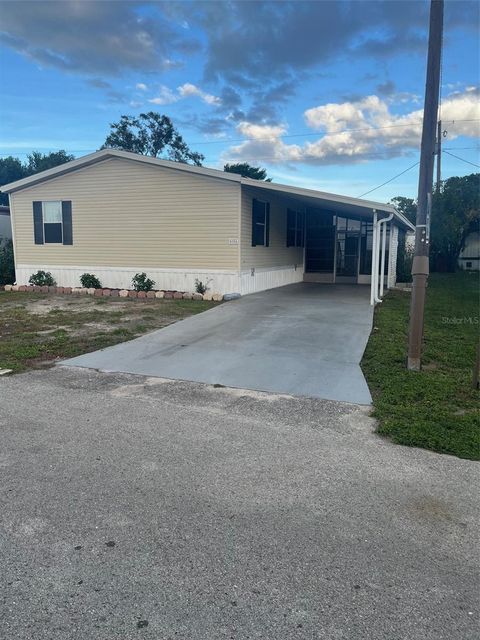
7	263
89	281
42	279
201	287
404	263
140	282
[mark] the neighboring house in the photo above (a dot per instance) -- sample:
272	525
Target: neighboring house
469	258
5	226
114	213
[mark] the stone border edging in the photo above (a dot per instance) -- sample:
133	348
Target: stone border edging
121	293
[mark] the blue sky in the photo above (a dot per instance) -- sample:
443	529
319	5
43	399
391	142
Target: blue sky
325	95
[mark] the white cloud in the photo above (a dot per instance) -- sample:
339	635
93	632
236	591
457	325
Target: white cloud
188	89
357	131
165	96
141	86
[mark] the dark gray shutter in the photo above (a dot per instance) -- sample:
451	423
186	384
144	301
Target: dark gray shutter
67	221
37	222
267	224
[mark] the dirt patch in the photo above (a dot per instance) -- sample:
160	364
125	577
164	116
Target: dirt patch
74	305
38	330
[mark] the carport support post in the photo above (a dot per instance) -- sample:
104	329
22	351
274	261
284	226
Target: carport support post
382	267
374	253
390	251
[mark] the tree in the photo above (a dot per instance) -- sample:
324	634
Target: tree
455	212
407	206
37	161
12	169
7	262
247	171
151	134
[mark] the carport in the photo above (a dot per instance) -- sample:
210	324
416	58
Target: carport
342	239
304	339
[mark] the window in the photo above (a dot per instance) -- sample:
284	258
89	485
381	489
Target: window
295	228
260	223
52	222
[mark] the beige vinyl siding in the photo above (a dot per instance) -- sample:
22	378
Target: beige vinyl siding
126	213
277	254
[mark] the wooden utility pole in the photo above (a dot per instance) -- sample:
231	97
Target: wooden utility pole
420	268
439	155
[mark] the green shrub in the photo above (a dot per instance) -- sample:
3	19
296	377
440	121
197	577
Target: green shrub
404	262
42	279
89	281
140	282
7	263
201	287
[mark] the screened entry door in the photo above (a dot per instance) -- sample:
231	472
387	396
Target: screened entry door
347	250
320	244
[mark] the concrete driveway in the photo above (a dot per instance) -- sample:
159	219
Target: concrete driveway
302	339
145	509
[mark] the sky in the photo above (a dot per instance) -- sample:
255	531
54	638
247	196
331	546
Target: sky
326	95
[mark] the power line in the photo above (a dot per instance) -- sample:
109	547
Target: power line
462	159
320	134
247	139
391	180
461	148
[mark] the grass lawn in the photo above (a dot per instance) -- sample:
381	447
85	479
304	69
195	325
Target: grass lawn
436	408
38	329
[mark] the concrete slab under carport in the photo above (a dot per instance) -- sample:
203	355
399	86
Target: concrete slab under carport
302	339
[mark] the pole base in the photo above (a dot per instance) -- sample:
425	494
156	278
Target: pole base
414	364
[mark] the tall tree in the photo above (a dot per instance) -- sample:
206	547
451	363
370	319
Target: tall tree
455	212
11	169
151	134
407	206
247	171
37	161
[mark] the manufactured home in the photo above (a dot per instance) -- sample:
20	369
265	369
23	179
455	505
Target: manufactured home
114	213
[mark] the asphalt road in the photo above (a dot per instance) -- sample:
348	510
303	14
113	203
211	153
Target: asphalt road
151	509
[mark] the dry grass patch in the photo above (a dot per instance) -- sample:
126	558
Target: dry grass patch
37	330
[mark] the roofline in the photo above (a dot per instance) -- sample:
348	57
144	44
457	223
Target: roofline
331	197
104	154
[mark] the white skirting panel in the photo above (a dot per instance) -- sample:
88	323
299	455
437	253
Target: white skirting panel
269	278
121	277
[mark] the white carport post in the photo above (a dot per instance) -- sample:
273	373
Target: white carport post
390	254
383	222
374	254
382	267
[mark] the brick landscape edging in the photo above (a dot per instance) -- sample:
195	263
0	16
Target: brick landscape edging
122	293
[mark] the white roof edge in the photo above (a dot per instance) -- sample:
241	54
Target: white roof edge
332	197
104	154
